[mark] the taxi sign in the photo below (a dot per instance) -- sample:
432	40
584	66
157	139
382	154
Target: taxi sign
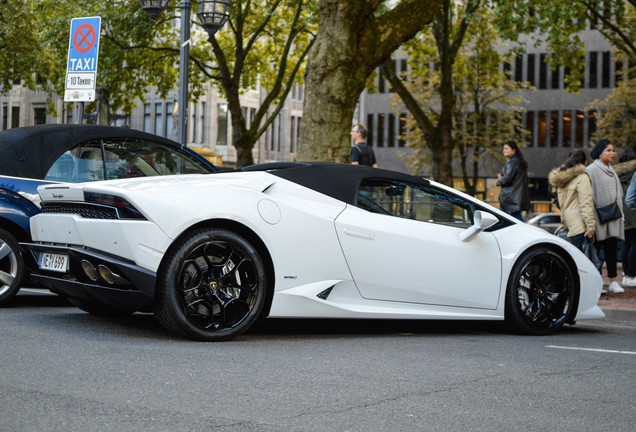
81	68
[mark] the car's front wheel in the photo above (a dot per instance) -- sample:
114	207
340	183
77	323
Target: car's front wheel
11	267
541	294
210	286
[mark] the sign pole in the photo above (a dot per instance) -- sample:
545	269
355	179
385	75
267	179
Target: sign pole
80	113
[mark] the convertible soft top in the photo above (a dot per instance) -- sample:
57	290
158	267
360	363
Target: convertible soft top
30	151
337	180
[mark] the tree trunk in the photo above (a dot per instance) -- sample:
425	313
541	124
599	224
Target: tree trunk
353	39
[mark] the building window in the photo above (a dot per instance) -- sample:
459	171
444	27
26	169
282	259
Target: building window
15	116
605	77
519	68
292	138
591	125
543	72
507	70
193	127
381	86
158	120
567	128
554	128
381	124
402	130
391	131
39	116
531	66
370	130
530	127
204	135
297	131
170	129
5	115
221	124
579	128
593	75
147	118
542	129
618	72
556	78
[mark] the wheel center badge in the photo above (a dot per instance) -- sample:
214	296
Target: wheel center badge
214	286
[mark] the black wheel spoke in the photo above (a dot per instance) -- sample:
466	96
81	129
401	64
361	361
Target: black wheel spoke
218	289
544	291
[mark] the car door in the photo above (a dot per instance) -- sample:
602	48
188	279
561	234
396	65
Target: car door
402	243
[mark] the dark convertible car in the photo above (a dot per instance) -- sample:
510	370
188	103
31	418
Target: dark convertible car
34	155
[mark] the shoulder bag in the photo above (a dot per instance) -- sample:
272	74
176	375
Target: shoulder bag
611	211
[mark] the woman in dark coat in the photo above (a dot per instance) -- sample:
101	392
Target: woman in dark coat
513	179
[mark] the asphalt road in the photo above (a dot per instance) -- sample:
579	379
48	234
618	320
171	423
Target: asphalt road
64	370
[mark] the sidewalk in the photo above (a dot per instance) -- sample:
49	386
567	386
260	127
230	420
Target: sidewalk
624	301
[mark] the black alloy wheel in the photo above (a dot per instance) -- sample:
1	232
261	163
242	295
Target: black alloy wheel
211	286
541	294
11	267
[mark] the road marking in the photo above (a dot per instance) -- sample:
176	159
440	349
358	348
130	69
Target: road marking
591	349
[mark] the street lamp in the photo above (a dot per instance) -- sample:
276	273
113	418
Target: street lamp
213	15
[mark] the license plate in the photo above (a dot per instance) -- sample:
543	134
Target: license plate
53	262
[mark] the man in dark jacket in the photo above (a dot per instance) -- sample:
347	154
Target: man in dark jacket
361	153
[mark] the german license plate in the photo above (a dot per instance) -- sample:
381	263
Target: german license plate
53	262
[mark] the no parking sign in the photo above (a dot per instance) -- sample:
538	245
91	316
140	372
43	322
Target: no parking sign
81	69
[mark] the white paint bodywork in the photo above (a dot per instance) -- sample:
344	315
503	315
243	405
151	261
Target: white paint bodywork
378	266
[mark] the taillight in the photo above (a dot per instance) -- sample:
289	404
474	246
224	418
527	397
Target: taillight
125	209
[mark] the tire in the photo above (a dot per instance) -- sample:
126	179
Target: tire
541	294
97	309
210	286
11	267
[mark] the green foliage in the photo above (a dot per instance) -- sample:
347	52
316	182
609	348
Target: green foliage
21	52
616	119
485	109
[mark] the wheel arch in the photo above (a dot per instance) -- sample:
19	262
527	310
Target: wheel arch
14	229
250	236
570	262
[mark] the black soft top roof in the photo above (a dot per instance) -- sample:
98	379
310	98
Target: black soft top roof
339	181
30	151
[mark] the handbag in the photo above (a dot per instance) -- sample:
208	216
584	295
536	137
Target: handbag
591	253
608	213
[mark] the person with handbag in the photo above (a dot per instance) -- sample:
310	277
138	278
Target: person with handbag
574	192
608	200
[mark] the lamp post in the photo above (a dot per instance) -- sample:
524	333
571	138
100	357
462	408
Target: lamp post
213	15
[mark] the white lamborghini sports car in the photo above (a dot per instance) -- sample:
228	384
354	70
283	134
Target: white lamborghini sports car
210	254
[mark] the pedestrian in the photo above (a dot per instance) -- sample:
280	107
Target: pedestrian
513	179
608	195
575	197
625	173
361	153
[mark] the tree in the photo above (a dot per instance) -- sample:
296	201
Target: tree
135	53
354	38
20	47
617	115
457	97
437	130
267	44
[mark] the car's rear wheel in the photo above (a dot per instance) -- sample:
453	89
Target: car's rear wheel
11	267
211	286
541	294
